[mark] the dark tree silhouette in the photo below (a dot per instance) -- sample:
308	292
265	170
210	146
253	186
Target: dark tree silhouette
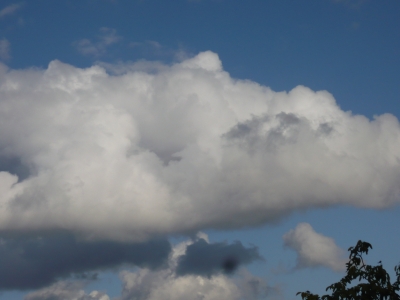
374	281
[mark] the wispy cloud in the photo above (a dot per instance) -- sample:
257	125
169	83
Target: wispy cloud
10	9
5	50
156	49
151	44
98	47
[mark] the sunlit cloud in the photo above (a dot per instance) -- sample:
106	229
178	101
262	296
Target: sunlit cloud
314	249
178	149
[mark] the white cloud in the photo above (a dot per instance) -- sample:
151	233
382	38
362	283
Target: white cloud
165	285
314	249
107	37
62	290
10	9
4	49
179	149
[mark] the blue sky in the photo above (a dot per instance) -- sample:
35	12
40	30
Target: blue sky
196	116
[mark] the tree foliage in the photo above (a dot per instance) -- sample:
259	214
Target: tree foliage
374	281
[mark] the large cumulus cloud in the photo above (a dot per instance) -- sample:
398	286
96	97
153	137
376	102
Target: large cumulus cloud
174	149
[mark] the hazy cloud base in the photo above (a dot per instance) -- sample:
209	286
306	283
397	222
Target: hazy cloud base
167	284
175	149
205	259
34	262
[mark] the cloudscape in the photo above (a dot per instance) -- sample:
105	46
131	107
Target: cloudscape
215	150
134	156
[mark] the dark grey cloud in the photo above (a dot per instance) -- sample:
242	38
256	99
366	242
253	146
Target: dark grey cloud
252	132
15	166
33	262
206	259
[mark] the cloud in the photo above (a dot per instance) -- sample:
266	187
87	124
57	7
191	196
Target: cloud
205	259
151	47
167	284
33	262
254	288
164	285
72	290
170	284
10	9
107	37
154	45
181	148
314	249
4	50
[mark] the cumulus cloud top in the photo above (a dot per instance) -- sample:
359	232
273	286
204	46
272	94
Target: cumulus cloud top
314	249
178	149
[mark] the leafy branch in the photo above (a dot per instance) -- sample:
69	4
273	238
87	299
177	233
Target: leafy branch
374	280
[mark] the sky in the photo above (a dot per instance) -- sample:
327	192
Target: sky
195	149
